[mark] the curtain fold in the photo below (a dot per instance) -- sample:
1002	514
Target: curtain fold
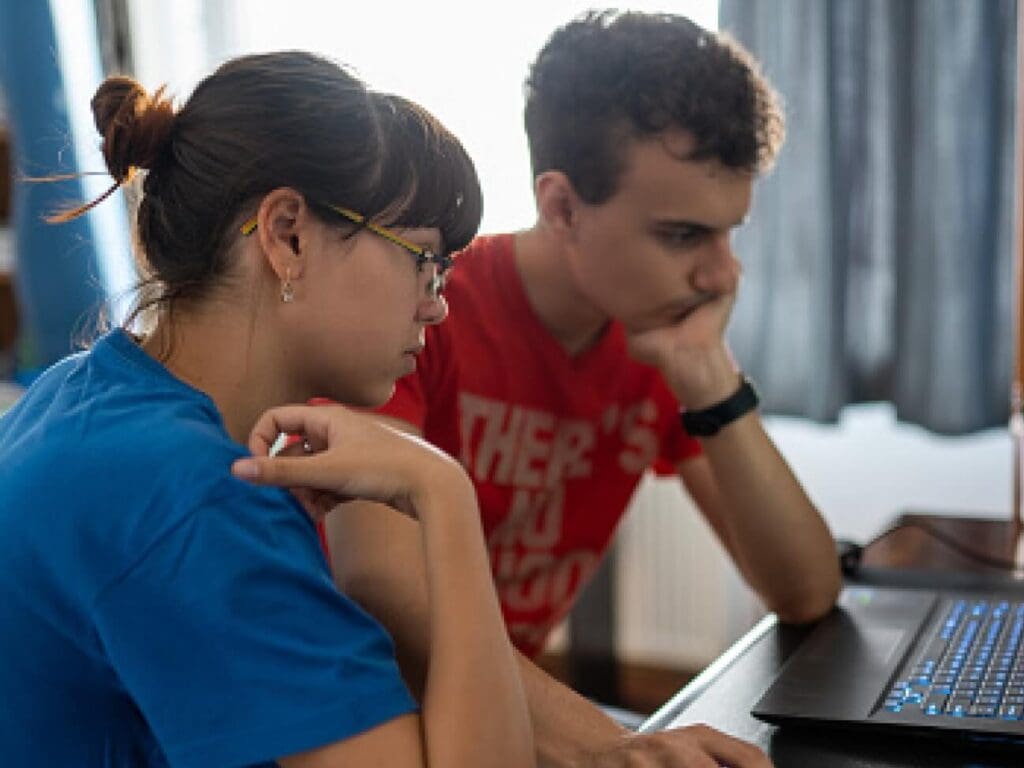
878	255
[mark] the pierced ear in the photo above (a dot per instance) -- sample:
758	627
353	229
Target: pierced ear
280	225
557	202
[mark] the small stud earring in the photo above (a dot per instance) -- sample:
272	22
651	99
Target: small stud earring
287	292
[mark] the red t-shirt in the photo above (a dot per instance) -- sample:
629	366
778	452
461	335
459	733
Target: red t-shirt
554	444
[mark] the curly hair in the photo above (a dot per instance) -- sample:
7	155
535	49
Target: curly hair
606	78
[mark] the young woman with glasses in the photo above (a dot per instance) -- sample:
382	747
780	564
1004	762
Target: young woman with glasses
163	600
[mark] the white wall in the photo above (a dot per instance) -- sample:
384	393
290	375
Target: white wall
868	468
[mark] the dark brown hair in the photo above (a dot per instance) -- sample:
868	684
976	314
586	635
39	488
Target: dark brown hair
606	78
288	119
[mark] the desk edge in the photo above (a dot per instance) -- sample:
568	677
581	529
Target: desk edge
671	709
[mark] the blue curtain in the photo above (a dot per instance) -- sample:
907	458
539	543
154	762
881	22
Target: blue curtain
64	273
878	256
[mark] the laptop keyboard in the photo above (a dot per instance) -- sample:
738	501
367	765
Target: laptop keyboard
970	665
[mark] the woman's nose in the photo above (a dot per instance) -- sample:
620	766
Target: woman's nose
433	310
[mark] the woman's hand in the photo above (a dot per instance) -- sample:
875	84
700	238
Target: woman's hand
343	455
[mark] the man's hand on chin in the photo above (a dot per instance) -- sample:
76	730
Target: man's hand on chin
691	352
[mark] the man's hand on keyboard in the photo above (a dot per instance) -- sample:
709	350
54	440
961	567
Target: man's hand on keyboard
695	746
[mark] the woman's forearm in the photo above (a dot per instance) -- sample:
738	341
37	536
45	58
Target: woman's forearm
474	707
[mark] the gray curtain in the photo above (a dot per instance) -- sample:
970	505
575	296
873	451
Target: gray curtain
878	256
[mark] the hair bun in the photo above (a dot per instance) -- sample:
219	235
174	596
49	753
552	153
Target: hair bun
134	125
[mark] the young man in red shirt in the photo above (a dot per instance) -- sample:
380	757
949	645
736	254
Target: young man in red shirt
589	348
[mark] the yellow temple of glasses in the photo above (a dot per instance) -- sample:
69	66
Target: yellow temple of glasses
249	226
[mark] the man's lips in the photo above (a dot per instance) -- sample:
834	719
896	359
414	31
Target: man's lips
669	315
689	307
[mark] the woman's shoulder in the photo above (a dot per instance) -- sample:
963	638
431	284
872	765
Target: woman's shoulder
119	451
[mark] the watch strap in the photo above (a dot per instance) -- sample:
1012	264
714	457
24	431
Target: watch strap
708	421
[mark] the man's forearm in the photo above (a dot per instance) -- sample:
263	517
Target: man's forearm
778	538
568	730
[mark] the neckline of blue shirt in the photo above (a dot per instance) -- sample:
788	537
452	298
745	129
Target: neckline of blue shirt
120	343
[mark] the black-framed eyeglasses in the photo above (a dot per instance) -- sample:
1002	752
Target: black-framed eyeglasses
422	256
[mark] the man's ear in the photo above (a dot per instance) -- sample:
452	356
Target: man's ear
558	205
281	225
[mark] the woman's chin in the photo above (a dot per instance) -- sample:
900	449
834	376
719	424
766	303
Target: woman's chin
377	396
369	396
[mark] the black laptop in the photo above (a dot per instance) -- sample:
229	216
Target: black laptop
903	658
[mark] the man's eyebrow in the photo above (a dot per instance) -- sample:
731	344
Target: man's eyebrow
696	226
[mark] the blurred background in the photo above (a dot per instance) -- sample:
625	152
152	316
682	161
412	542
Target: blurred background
878	309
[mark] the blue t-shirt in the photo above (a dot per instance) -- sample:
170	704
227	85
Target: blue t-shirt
153	609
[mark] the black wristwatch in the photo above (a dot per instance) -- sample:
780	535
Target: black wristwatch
707	421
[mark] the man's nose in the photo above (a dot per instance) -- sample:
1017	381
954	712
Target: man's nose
717	269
